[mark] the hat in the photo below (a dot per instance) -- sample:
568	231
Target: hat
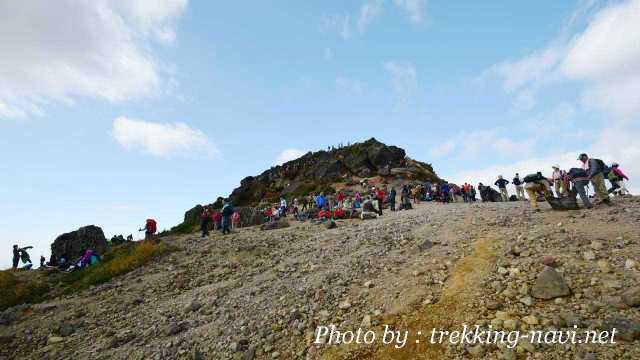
556	166
582	155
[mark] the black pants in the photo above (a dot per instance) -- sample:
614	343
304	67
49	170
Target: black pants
204	227
225	225
392	204
379	207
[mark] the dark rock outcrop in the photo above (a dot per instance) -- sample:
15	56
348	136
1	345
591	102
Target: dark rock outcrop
316	171
75	243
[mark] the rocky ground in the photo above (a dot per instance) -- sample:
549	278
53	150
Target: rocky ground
261	294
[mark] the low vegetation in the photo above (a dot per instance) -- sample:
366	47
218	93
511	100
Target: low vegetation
34	286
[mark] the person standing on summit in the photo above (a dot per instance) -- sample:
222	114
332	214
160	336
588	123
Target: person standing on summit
518	183
501	183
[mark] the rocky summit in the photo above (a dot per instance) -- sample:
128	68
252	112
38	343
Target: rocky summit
261	294
316	172
321	170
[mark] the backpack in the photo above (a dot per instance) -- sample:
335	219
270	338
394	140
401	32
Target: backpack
577	173
151	226
531	178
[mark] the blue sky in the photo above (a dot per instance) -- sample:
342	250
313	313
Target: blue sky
115	111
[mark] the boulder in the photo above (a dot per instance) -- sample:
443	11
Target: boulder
549	285
75	243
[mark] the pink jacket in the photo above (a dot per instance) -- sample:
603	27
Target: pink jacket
619	173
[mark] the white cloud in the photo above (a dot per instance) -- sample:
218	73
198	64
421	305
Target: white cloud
368	12
604	58
481	143
288	155
404	79
337	24
607	56
100	50
350	86
160	139
343	24
414	8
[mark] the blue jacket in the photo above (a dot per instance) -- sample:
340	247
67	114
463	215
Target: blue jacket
320	201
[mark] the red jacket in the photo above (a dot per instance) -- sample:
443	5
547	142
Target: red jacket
380	195
217	216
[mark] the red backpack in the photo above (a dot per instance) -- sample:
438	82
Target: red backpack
151	226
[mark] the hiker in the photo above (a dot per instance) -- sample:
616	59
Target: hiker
21	254
502	183
16	256
472	193
444	192
595	169
392	198
42	261
227	211
53	261
150	227
517	182
558	181
217	219
130	238
282	211
320	201
617	178
235	219
580	180
205	217
537	184
339	198
380	196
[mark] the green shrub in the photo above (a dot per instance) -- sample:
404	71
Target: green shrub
117	261
15	291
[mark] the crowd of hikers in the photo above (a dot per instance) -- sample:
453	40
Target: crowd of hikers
89	257
222	220
562	188
348	204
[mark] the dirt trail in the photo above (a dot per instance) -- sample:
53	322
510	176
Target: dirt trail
452	311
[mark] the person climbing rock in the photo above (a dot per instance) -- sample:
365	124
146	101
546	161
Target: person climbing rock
596	169
537	184
580	180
